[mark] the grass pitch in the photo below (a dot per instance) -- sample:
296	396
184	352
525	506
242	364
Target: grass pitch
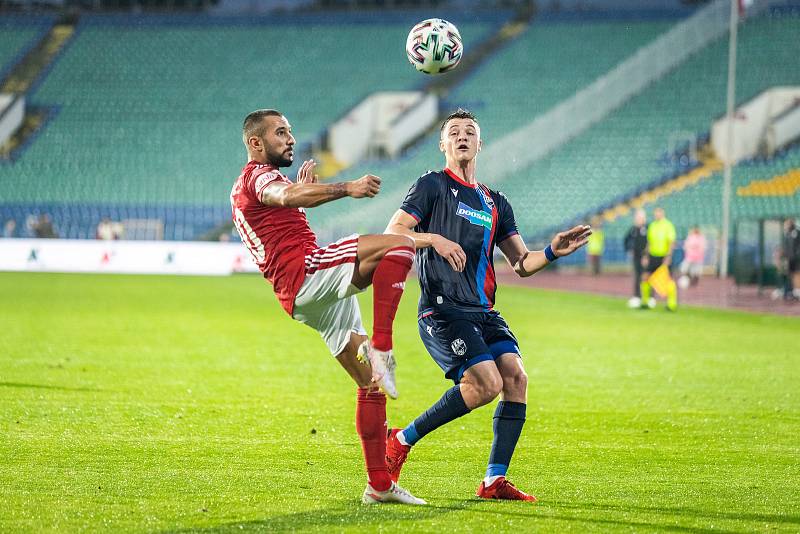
195	404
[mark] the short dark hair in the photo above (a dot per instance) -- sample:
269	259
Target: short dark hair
253	126
460	113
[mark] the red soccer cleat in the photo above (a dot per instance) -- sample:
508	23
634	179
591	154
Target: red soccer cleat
502	489
396	454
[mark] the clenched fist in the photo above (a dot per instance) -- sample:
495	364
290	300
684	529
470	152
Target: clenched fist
368	185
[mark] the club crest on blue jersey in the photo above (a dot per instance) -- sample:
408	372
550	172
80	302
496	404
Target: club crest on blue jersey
477	217
486	198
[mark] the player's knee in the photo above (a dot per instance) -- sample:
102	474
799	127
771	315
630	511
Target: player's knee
397	240
491	388
516	384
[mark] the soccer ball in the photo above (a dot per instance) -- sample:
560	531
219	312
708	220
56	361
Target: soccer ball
434	46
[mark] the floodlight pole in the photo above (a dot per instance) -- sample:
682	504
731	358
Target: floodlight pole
726	181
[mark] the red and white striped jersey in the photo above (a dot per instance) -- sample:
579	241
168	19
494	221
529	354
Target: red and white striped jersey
278	238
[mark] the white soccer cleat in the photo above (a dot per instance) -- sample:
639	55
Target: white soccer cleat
394	494
387	383
651	303
383	367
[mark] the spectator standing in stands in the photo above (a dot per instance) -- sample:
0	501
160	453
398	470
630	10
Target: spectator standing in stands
791	258
660	244
10	228
43	227
596	246
694	253
635	245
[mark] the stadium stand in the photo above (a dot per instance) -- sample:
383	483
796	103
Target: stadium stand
701	204
521	81
155	141
19	34
528	78
149	108
14	40
627	151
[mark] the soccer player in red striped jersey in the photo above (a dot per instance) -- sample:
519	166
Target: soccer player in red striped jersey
317	285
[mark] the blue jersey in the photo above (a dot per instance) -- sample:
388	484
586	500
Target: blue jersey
473	216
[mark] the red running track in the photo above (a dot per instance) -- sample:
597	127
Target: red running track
710	292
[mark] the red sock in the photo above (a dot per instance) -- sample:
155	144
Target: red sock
371	428
388	283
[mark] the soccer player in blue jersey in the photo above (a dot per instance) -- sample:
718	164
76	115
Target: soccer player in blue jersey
456	222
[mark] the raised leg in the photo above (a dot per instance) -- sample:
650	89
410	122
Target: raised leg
383	261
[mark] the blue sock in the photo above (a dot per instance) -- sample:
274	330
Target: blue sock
508	420
450	406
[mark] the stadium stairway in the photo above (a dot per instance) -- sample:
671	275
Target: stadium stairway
13	45
38	59
783	185
764	189
617	215
708	165
24	76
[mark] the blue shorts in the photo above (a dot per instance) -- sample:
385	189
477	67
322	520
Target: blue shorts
456	341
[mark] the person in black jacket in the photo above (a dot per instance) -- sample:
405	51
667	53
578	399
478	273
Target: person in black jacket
635	245
791	257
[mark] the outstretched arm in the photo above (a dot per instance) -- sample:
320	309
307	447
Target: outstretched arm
307	193
402	223
529	262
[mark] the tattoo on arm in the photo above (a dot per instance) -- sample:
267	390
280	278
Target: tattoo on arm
302	195
338	190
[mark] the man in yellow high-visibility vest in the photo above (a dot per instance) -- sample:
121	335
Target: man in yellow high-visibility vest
595	246
660	243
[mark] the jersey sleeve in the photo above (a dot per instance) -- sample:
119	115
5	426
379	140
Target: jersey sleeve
506	223
261	181
420	198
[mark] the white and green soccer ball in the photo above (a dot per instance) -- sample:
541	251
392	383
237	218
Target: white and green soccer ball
434	46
